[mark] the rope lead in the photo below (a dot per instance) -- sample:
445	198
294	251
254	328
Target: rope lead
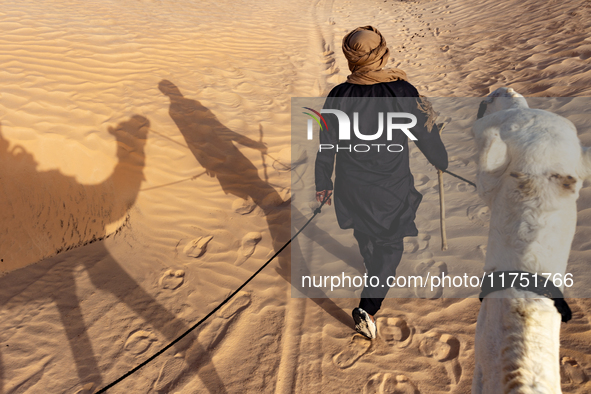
165	348
316	212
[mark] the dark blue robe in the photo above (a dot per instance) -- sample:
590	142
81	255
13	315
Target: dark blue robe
374	191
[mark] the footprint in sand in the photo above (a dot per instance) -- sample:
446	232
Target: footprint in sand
86	389
482	249
464	187
209	337
442	347
242	206
374	384
139	342
170	371
428	269
421	179
172	279
429	344
216	329
478	214
237	304
423	240
249	243
387	383
410	245
399	384
572	371
418	243
394	330
447	186
197	247
358	346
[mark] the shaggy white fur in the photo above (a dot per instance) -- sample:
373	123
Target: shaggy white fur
530	170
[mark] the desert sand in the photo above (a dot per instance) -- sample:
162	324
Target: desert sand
145	174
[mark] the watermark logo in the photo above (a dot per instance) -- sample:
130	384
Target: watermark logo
317	119
344	129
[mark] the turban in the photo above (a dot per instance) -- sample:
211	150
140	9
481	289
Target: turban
366	51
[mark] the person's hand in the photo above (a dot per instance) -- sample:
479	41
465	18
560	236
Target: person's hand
325	194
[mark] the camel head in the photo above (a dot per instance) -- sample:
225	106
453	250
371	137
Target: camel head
531	167
508	98
131	135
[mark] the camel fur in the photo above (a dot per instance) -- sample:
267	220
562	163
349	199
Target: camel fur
531	167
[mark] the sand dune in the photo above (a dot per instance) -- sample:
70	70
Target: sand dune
145	174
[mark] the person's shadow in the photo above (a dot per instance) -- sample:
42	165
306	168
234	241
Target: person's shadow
53	212
211	144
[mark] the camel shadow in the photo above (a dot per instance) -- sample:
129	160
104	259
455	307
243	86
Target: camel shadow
212	145
48	212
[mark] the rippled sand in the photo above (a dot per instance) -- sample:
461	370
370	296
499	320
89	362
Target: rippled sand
144	176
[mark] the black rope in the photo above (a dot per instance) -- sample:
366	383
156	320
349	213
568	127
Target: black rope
171	344
104	389
459	177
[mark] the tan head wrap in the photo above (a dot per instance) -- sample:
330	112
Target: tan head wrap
367	54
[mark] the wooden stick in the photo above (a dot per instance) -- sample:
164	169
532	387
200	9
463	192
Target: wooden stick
442	204
263	155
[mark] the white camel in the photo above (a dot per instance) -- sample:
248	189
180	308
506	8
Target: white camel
531	167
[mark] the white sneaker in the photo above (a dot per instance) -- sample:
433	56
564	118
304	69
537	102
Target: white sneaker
363	323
